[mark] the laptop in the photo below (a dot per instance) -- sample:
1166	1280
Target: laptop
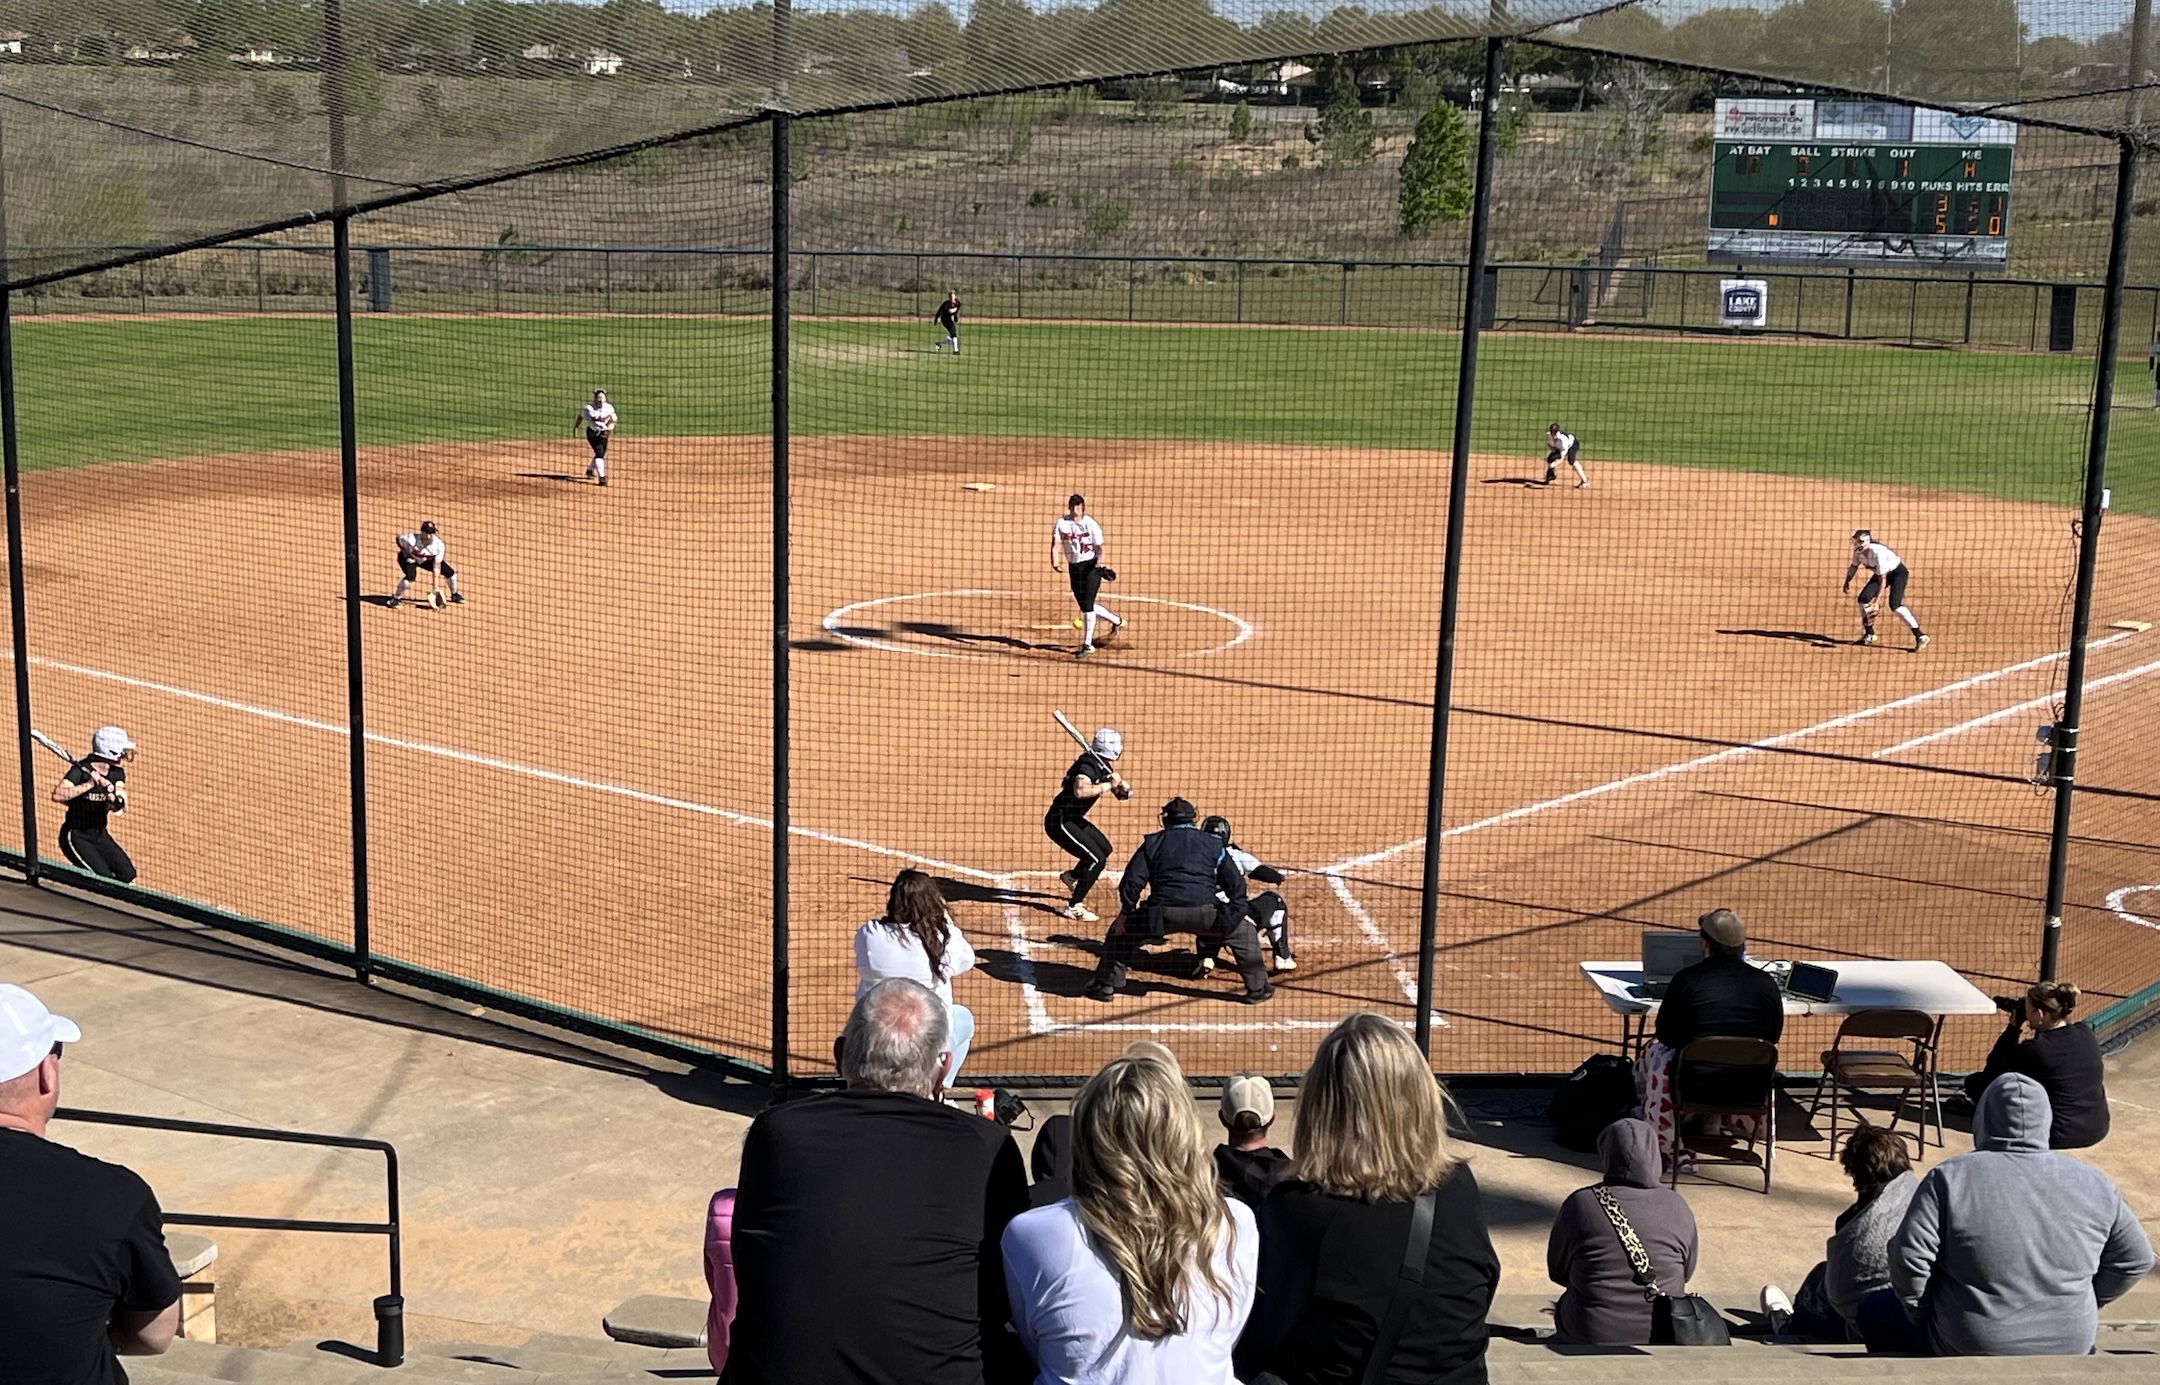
1664	953
1812	983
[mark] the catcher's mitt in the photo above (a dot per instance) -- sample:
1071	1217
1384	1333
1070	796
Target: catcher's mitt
1108	574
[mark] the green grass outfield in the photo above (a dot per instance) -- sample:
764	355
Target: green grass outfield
1999	424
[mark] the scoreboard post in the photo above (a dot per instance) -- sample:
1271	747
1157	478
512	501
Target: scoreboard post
1799	180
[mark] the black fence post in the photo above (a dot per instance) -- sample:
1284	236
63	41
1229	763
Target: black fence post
2064	737
355	667
1451	568
1971	284
780	536
11	450
1851	280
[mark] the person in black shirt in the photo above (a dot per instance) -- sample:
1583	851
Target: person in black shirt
1089	778
1248	1165
2062	1056
1191	886
868	1221
1050	1162
93	789
1723	995
84	1275
948	321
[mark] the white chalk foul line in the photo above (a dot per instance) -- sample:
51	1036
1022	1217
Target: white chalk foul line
835	622
2117	898
2092	685
1715	757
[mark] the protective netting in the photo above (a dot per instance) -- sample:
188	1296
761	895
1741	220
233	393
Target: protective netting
1223	303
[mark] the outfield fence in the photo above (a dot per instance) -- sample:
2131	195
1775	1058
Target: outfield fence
649	780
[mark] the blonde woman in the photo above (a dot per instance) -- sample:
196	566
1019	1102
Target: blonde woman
2062	1056
1371	1142
1144	1274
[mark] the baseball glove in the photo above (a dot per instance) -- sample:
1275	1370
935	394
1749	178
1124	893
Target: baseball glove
1108	574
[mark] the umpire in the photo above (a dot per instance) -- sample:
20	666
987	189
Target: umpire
1192	886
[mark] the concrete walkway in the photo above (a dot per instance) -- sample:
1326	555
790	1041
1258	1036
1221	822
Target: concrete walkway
544	1182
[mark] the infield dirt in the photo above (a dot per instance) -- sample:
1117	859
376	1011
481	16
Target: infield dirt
569	775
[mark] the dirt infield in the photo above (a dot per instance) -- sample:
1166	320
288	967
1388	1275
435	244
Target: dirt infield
569	774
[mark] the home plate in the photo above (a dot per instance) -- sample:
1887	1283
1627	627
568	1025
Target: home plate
979	486
2139	626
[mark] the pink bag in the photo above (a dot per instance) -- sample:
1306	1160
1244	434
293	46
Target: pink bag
720	1275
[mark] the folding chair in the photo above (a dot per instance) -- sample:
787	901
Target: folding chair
1908	1076
1734	1056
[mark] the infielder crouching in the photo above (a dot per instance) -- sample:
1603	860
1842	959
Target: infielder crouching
1191	886
1884	568
422	549
94	788
1563	447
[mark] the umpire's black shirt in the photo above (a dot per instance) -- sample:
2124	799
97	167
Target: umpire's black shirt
1182	867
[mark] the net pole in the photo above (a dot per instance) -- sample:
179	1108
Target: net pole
355	665
780	508
2065	735
18	616
1451	569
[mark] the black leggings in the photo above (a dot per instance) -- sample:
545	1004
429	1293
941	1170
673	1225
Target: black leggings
1085	842
97	853
597	441
1897	579
1086	583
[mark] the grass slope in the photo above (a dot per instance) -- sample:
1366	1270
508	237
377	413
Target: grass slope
2006	425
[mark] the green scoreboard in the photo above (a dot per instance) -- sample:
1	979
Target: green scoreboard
1864	183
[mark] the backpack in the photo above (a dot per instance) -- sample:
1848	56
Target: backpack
1599	1092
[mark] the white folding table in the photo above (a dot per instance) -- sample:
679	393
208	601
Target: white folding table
1933	988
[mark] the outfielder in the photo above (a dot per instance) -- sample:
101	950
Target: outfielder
948	321
423	548
1192	886
1080	541
598	421
1563	447
94	788
1066	823
1884	568
1269	913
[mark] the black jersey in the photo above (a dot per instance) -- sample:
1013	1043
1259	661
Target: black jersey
1069	804
87	812
948	315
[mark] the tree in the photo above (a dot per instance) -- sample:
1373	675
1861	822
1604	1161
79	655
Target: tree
1344	130
1436	171
1954	48
1240	122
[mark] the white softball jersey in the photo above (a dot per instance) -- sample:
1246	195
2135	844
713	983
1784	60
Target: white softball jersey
599	417
1082	538
1878	559
422	545
1561	442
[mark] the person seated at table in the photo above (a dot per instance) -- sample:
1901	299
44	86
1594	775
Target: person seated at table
1856	1258
1722	996
2062	1056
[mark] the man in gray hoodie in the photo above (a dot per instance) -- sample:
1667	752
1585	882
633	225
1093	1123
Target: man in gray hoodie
2009	1250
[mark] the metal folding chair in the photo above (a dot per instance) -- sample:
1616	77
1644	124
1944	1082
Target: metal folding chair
1907	1073
1732	1054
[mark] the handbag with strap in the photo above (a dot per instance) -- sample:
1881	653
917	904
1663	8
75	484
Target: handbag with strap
1686	1321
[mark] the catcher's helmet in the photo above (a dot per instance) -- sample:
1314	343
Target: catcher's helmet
1219	826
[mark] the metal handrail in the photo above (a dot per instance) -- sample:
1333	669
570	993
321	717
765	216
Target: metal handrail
390	1307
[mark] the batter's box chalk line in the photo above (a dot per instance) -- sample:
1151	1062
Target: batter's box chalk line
838	624
2118	898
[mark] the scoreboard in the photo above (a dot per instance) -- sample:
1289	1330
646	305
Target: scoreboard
1820	182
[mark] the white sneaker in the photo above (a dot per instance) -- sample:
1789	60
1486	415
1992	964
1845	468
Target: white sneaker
1067	879
1080	912
1776	1310
1286	964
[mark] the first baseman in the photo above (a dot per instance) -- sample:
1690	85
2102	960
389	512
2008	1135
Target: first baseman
1884	568
948	321
423	548
598	421
94	788
1066	823
1562	446
1079	539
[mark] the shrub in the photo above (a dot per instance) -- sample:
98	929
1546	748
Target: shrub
1435	180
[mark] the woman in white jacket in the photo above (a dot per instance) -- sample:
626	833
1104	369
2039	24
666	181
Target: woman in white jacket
916	938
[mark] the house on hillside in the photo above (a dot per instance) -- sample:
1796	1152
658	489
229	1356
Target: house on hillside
265	56
1283	81
552	59
602	62
169	50
11	42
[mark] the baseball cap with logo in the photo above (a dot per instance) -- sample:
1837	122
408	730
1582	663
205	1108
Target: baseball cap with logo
1248	1092
28	1031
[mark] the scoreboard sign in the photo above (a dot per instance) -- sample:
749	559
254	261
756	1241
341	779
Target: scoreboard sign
1865	183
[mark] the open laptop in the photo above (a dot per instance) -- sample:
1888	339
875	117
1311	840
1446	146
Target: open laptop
1664	953
1812	983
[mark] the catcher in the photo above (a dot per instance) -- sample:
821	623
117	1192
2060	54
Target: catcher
423	548
1269	913
1089	778
1191	886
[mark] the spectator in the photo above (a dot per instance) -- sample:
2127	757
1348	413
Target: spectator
2062	1056
84	1275
1146	1272
1723	996
1050	1162
1156	1052
719	1275
1249	1168
867	1221
916	938
2010	1250
1856	1259
1600	1303
1371	1141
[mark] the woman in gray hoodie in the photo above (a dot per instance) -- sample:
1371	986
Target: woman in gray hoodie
1602	1303
2009	1250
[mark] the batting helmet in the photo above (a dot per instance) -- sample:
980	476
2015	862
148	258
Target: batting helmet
1219	826
1108	743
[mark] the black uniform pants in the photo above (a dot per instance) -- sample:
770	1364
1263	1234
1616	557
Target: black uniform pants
1086	580
597	441
97	853
1205	922
1086	844
1899	576
1270	919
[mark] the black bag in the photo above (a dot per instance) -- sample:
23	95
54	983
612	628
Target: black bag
1599	1092
1687	1321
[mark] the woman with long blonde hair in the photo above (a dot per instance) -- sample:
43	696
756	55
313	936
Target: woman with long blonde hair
1145	1274
1372	1155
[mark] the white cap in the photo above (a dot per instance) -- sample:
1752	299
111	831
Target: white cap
1108	744
110	743
1248	1092
28	1031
